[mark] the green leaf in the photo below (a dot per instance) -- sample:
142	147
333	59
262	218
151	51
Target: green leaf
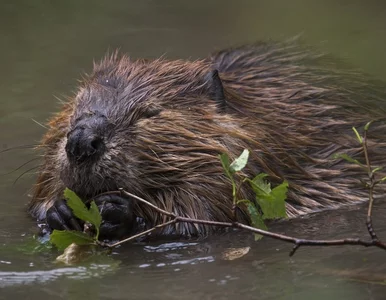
382	179
96	216
259	185
256	219
271	202
278	196
30	245
226	165
34	246
377	169
63	238
367	126
348	158
360	140
80	210
239	163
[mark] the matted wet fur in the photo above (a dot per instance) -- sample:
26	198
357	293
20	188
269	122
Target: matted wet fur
167	122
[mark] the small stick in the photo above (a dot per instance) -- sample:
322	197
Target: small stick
141	234
369	222
296	241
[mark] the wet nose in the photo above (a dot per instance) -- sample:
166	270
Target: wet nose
83	144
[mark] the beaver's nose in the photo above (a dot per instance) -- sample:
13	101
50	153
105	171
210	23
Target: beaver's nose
83	143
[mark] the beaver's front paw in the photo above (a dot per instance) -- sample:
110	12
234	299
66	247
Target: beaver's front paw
118	218
59	216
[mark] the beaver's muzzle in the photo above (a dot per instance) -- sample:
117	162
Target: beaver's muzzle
86	140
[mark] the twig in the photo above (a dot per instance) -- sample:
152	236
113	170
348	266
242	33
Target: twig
371	185
296	241
122	191
133	237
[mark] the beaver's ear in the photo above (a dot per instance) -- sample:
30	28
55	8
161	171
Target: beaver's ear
216	89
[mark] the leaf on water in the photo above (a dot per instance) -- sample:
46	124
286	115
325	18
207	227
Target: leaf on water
234	253
63	238
256	219
40	247
226	165
348	158
80	210
75	253
239	163
359	138
30	246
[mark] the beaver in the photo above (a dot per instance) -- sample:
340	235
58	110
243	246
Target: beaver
156	128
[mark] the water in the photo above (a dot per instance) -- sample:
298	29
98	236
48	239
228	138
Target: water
46	45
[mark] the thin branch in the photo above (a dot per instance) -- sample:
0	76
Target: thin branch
133	237
122	191
296	241
371	185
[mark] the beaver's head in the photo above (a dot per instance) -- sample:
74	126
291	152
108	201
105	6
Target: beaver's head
145	126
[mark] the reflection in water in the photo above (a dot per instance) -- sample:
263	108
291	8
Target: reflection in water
168	246
45	47
21	278
192	261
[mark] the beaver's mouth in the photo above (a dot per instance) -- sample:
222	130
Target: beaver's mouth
85	181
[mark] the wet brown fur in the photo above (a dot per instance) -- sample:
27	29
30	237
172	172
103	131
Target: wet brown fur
291	107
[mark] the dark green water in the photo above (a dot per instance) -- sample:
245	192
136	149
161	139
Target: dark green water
46	45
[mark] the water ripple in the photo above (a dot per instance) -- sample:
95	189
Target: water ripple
42	276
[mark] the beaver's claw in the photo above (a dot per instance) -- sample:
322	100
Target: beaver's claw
117	214
118	218
60	216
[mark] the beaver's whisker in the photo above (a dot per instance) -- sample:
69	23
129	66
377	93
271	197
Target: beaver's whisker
40	183
21	147
25	172
40	124
18	168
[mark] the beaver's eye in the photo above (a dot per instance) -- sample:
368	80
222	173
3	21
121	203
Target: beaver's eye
216	89
152	112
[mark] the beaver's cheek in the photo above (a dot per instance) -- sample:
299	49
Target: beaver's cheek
63	164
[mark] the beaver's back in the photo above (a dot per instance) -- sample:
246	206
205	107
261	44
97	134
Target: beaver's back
307	105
